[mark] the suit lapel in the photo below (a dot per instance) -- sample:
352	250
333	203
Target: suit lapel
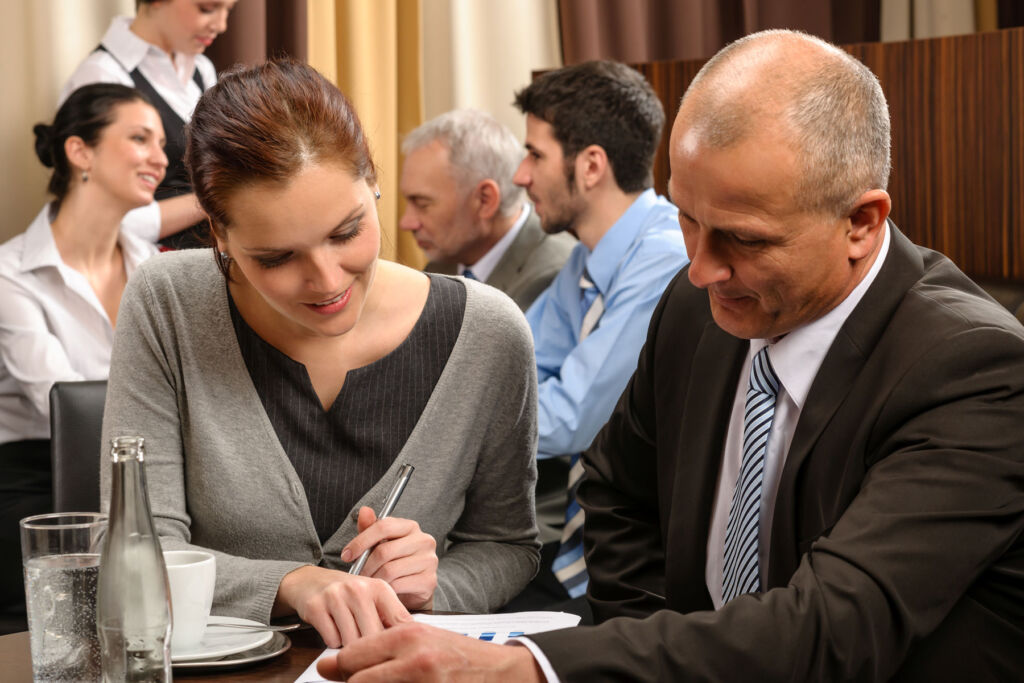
700	443
838	372
517	254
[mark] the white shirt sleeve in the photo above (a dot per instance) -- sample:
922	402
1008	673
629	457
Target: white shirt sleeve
33	356
98	67
538	654
143	222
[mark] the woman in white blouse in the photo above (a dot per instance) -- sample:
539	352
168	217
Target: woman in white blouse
61	283
160	53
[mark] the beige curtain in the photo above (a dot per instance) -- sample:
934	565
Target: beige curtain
477	53
371	50
41	43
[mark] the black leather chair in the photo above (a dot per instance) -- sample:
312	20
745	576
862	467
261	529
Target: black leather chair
76	418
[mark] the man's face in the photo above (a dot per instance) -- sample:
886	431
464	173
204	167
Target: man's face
437	214
544	176
768	265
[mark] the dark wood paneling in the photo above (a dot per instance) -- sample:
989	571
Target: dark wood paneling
957	108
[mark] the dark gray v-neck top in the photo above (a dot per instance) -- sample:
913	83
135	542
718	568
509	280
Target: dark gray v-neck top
341	452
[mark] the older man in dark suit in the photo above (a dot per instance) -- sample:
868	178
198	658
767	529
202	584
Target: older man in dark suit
466	213
817	471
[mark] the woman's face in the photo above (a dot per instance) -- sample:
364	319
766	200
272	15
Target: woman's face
190	26
307	249
128	159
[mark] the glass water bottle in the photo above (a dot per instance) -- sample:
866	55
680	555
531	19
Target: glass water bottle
132	605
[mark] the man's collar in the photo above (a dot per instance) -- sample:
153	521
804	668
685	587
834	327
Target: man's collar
603	262
486	264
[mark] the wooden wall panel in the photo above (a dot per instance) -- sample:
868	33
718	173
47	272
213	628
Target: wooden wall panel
957	108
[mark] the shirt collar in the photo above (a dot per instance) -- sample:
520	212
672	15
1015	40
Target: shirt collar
603	262
798	355
126	47
483	268
129	49
40	250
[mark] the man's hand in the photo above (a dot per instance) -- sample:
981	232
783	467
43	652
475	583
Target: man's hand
403	556
417	652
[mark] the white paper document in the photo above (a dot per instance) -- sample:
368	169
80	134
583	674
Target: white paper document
496	628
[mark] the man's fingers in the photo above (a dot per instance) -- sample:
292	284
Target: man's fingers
328	668
373	651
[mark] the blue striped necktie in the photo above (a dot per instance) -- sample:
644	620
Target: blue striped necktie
569	566
741	572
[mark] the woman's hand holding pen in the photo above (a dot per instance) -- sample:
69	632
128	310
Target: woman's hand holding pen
402	555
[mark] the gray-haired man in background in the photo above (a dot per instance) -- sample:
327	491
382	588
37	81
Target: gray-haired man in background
467	214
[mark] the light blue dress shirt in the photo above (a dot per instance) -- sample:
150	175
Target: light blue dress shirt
580	382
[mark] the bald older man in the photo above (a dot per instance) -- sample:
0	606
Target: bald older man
817	471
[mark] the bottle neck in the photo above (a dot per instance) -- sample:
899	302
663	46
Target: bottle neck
129	502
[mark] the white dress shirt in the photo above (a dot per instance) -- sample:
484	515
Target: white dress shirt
172	80
483	268
795	358
52	326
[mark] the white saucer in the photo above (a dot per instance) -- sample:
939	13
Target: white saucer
220	642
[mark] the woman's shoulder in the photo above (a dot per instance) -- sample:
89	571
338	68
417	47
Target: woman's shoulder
489	303
180	271
29	249
493	317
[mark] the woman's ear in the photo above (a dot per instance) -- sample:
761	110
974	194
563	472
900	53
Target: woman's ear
79	154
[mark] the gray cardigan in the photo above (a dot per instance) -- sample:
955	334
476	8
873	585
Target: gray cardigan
219	479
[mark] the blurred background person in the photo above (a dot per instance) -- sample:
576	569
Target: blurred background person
292	365
61	283
467	214
160	52
592	131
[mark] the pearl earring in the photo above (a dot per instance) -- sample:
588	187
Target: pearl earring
85	176
376	193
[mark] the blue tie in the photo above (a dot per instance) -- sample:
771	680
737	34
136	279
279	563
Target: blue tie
569	566
741	573
468	274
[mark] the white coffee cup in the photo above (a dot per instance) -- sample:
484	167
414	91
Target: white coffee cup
192	575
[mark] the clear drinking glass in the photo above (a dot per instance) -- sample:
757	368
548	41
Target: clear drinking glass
61	561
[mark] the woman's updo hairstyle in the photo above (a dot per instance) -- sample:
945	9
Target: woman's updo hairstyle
265	124
85	113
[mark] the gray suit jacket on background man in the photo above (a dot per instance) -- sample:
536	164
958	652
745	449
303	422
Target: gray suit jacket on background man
528	266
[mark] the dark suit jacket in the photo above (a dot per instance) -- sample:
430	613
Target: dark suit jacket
896	547
528	265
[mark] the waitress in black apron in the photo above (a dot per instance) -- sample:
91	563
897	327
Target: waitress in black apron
159	52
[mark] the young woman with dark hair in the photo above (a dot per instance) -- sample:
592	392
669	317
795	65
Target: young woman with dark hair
282	380
61	283
160	52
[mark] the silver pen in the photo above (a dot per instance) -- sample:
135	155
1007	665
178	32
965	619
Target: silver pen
389	505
